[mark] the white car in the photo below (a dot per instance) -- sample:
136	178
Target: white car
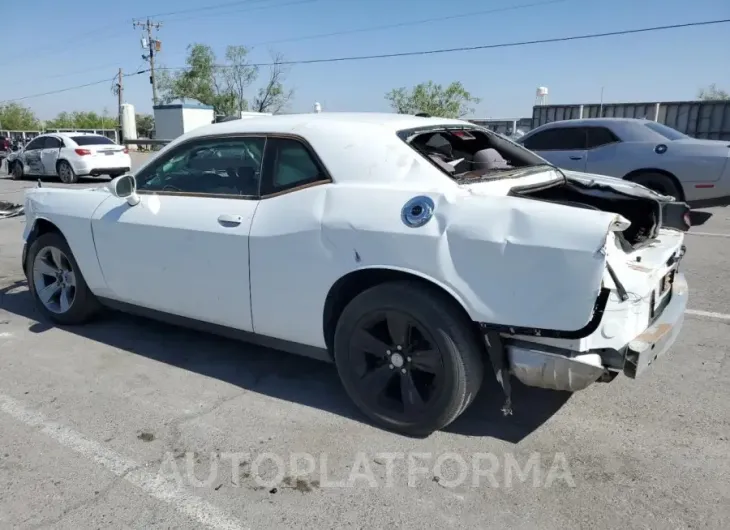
410	251
69	156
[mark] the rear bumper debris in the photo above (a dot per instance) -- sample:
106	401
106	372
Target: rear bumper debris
661	335
9	209
542	366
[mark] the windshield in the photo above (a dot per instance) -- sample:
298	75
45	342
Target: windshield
470	152
666	132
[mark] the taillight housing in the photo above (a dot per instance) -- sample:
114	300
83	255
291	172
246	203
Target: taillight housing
82	152
126	150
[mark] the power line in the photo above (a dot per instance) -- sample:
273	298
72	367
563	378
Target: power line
247	10
482	47
410	23
63	46
67	89
415	53
204	8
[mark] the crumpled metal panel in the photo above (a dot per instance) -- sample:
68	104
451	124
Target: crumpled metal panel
9	209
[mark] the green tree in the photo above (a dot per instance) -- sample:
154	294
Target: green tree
273	97
81	120
454	101
224	86
712	93
238	75
64	120
16	117
145	125
210	83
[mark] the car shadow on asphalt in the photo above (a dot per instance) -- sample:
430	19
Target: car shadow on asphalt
281	375
56	180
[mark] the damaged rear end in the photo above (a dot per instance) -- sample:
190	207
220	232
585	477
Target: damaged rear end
572	277
643	297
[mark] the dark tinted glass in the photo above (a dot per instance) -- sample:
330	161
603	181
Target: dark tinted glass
92	140
558	139
598	136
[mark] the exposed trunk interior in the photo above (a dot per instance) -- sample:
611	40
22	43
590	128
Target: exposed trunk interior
644	214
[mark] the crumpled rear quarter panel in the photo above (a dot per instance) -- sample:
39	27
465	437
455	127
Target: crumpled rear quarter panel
508	260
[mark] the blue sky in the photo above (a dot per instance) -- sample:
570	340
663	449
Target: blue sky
88	40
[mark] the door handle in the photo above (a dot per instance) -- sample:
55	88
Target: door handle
230	220
576	158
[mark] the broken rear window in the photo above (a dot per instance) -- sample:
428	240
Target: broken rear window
464	152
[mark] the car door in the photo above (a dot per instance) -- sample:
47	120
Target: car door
291	264
31	157
49	154
602	155
563	146
184	249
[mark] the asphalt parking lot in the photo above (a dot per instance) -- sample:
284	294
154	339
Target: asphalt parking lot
128	423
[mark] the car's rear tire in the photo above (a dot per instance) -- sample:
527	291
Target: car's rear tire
408	357
660	183
16	170
66	173
56	282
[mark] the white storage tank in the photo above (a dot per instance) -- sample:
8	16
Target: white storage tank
129	124
177	118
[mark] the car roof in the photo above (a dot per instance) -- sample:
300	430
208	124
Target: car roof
68	135
296	123
355	147
628	129
594	121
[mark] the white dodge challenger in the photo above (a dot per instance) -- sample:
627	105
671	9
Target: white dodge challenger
410	251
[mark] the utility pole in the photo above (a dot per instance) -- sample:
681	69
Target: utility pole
120	100
153	46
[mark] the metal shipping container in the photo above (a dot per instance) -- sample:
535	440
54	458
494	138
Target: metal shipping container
699	119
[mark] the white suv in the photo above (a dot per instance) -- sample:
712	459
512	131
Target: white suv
69	156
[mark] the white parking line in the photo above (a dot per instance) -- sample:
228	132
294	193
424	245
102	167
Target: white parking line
153	484
707	234
708	314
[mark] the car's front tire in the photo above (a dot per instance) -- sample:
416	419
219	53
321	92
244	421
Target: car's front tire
56	283
66	173
408	357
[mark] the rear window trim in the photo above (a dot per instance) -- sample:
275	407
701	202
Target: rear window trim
76	139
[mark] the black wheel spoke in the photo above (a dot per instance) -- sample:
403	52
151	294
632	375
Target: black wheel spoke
426	361
396	365
375	381
398	327
412	400
364	341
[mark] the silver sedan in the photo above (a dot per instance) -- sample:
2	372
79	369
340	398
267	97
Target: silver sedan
643	151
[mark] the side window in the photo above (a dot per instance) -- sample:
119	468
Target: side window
598	136
223	166
289	164
37	143
558	139
52	143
